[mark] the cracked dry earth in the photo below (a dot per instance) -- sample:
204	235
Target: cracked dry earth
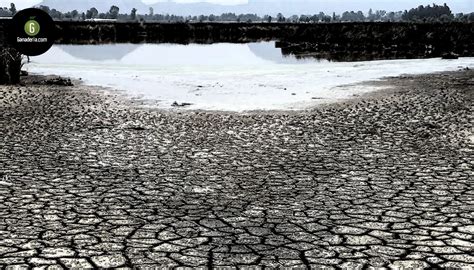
90	180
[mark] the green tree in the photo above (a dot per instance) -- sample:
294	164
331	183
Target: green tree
294	19
45	9
428	13
280	17
370	16
304	18
133	14
13	8
113	12
55	14
74	14
471	17
92	13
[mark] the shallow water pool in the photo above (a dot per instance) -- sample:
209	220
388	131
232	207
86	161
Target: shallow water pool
232	77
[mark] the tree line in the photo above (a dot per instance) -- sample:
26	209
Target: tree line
434	13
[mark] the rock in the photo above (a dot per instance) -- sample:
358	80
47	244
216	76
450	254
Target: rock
184	104
449	55
55	81
362	240
467	229
348	230
408	264
432	125
57	252
76	263
108	261
137	128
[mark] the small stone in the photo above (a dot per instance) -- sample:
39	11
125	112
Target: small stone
168	248
320	253
352	265
408	264
460	258
7	250
456	265
76	263
107	261
89	220
54	267
362	240
17	267
41	261
461	243
57	252
388	250
467	229
348	230
446	250
434	260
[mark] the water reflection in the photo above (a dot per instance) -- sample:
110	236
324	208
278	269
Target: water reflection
369	52
101	52
279	52
185	54
269	51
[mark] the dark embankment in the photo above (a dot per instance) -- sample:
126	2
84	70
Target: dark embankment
10	66
335	41
10	59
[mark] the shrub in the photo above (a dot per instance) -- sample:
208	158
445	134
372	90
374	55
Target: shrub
10	66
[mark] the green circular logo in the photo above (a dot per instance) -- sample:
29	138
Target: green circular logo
32	28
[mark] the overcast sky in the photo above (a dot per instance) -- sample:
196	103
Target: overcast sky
29	3
465	3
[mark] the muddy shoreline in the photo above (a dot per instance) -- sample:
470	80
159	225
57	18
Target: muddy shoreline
91	179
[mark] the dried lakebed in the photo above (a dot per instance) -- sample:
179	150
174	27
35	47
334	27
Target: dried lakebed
89	179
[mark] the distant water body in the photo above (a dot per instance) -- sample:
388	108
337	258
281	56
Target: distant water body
231	77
